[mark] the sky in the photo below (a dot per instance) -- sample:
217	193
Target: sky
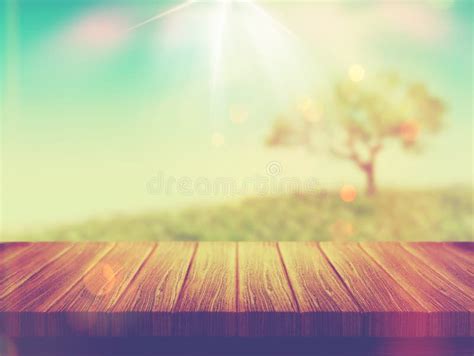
102	99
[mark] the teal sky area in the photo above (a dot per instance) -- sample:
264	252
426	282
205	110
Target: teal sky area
96	102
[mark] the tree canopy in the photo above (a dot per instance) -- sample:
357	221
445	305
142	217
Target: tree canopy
359	118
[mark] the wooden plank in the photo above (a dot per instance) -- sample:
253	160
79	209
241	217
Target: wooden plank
388	309
445	262
247	289
207	303
25	310
147	304
266	304
450	264
88	304
21	267
9	250
327	307
464	250
447	304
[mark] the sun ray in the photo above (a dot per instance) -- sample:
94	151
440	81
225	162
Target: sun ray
217	45
163	14
217	29
270	18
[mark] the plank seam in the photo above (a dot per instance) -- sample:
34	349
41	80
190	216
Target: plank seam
80	278
288	278
185	281
428	255
427	260
393	279
456	252
237	288
425	310
38	271
15	253
237	280
135	274
446	281
346	287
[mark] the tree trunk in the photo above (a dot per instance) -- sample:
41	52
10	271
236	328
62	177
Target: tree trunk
371	188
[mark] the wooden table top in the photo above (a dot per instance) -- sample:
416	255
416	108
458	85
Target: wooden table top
245	289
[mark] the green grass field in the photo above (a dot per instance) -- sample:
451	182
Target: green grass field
436	215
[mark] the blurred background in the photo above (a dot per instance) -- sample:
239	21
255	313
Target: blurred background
237	120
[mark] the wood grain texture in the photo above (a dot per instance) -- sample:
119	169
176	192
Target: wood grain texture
28	305
266	302
454	263
11	249
465	250
447	304
100	289
326	306
388	310
147	304
207	303
246	289
17	270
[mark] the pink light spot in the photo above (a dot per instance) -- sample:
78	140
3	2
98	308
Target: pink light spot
99	30
417	20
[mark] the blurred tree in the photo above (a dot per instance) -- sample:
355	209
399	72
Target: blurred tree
360	117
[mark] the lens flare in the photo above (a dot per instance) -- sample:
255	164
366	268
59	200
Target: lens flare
99	30
356	73
305	105
217	139
341	230
311	111
81	323
348	193
100	280
238	116
7	347
409	131
162	14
